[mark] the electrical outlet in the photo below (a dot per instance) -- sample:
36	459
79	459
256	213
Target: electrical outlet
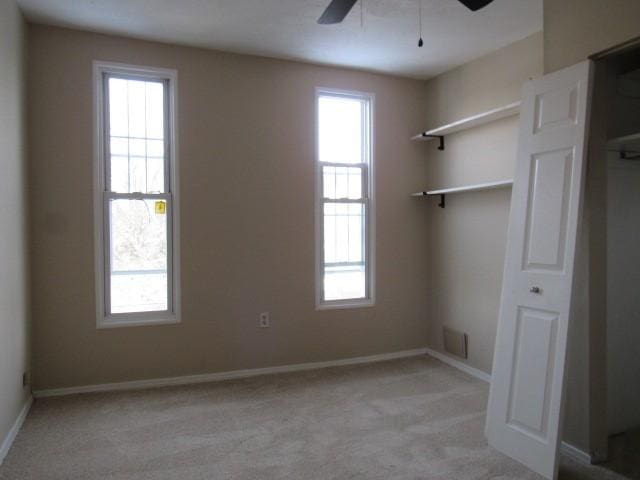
264	320
25	379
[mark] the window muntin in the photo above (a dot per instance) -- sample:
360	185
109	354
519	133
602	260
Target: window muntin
344	199
138	278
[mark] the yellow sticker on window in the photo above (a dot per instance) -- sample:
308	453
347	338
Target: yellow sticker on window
161	207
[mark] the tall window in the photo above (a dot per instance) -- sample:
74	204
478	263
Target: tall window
344	200
136	214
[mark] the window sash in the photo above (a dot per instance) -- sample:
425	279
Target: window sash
364	200
324	265
108	198
165	82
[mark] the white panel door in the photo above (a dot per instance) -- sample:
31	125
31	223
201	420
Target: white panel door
524	411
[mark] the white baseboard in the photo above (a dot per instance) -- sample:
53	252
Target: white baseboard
13	433
474	372
215	377
575	453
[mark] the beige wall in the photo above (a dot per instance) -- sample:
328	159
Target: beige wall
246	147
468	237
575	29
14	312
482	84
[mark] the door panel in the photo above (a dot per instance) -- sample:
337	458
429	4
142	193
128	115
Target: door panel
549	188
529	401
524	412
555	108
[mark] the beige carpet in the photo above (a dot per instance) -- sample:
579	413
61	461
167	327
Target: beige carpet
406	419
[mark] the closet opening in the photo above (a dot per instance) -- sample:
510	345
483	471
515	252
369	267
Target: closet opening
623	267
612	218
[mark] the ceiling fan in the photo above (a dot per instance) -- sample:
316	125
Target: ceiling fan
338	9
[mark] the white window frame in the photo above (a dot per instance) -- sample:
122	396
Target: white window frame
102	197
368	180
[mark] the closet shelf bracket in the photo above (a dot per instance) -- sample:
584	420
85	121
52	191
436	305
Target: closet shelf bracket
439	137
629	155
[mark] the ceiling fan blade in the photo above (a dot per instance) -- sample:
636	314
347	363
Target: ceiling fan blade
474	5
336	11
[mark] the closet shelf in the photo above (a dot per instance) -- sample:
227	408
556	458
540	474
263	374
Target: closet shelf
469	122
467	188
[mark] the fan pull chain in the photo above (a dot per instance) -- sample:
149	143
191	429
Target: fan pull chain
361	14
420	41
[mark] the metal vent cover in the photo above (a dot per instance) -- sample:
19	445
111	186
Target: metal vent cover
455	342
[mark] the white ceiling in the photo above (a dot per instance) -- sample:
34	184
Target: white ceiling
387	42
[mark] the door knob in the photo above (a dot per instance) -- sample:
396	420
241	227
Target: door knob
535	290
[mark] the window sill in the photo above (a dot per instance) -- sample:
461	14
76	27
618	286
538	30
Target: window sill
346	304
133	321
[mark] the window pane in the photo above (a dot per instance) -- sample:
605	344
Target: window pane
340	132
120	173
137	102
137	174
119	146
344	255
342	182
342	283
343	232
136	129
119	126
356	233
138	256
155	175
155	110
